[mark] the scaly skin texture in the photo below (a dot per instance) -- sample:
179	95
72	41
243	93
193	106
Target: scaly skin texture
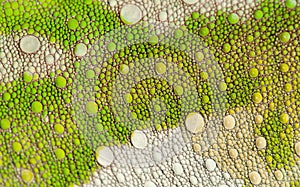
42	137
42	142
63	22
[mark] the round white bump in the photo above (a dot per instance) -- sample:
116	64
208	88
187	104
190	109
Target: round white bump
210	164
97	182
194	122
163	16
139	139
80	50
255	178
229	122
177	168
193	180
259	119
104	156
233	153
131	14
30	44
260	142
49	59
278	175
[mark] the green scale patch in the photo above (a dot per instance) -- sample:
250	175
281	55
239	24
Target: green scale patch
38	137
60	21
259	57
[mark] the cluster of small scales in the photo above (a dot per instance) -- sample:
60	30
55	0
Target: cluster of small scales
227	163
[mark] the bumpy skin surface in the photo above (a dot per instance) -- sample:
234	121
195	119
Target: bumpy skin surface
81	88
